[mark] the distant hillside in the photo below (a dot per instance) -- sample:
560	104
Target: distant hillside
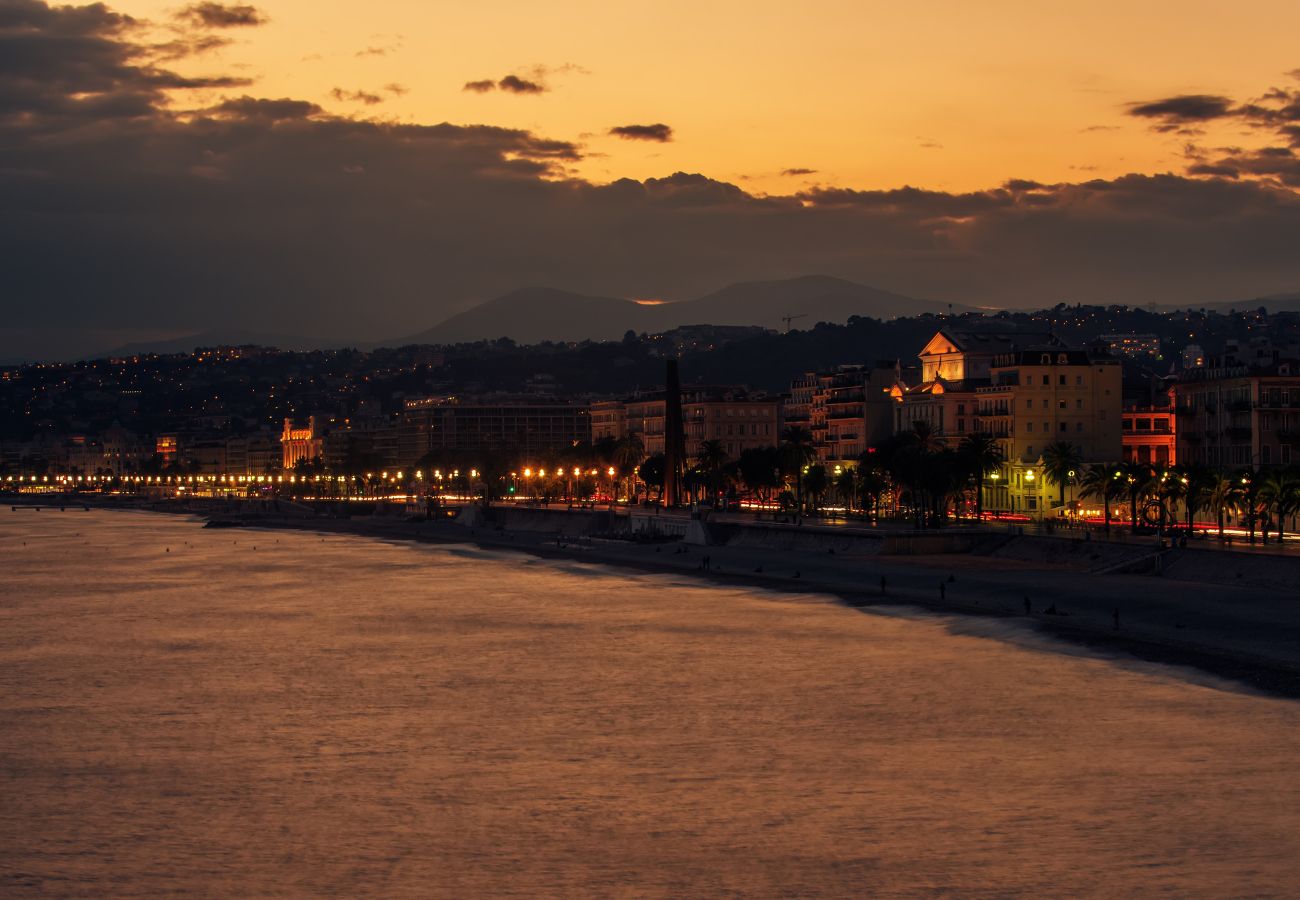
1272	302
547	314
232	338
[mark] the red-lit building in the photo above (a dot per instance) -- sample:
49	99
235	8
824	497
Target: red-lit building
1149	435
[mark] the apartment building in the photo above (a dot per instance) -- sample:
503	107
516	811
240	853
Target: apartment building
1238	416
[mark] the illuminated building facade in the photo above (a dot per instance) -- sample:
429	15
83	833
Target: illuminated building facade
1027	391
299	444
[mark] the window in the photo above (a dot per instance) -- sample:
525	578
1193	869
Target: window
1078	404
1029	426
1266	455
961	409
1062	381
1047	379
1060	404
1029	403
1286	454
1078	381
1064	426
1078	426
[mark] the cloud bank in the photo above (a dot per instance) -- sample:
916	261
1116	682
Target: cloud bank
126	204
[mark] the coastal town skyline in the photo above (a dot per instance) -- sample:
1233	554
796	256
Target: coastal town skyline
171	170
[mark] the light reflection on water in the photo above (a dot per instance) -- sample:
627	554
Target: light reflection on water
329	715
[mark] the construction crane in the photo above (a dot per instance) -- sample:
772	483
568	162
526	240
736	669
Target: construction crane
788	319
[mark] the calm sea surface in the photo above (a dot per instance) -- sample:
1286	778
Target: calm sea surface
241	713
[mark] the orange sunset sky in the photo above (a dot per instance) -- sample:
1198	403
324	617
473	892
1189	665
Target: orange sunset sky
955	96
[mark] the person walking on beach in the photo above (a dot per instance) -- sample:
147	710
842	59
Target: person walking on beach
882	585
1028	608
943	591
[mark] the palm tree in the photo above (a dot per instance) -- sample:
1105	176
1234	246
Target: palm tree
712	457
816	482
871	482
759	468
1061	460
846	487
797	451
1250	483
1136	478
911	458
1224	497
1104	481
628	453
979	455
1198	482
651	472
1280	493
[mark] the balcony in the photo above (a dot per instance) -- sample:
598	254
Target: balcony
1237	434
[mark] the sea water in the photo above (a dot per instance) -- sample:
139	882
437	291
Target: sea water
232	712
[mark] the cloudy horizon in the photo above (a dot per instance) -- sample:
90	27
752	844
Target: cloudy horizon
156	184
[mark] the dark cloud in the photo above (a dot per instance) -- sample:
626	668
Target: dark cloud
187	45
220	15
122	206
356	96
271	110
528	80
516	85
66	65
396	89
1275	115
1183	109
373	51
798	172
657	132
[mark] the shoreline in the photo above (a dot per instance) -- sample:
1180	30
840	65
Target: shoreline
797	572
1273	677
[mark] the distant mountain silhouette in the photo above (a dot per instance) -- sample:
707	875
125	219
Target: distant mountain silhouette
531	315
546	314
815	298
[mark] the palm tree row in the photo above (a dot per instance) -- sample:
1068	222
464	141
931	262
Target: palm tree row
1254	496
